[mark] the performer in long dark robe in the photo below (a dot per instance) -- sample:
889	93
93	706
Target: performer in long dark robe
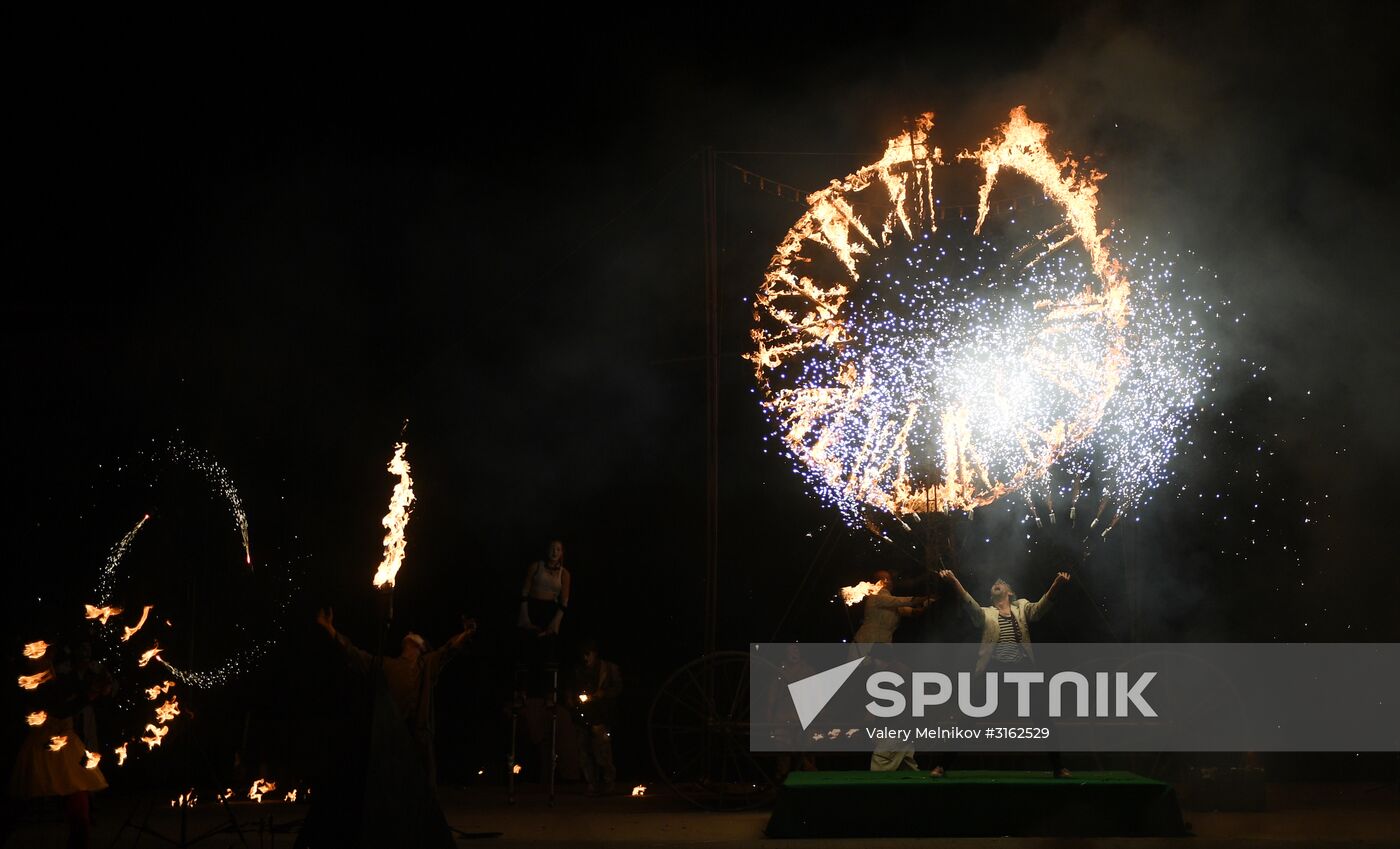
389	797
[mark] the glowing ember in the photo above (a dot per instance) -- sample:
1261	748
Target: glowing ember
148	655
35	650
154	735
153	693
396	520
291	796
583	698
38	717
102	614
639	790
120	752
515	769
912	362
260	788
128	632
30	682
57	742
852	595
92	760
167	712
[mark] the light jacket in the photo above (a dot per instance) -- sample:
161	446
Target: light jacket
1023	611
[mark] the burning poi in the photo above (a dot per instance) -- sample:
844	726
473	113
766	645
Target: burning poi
916	360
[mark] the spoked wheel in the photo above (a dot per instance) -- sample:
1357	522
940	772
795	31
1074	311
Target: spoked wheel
699	733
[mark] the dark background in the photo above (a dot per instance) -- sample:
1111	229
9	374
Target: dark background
276	243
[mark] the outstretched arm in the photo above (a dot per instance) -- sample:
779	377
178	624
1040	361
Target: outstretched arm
359	658
969	603
448	650
1037	609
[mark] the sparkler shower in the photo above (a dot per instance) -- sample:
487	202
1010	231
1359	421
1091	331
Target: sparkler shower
916	361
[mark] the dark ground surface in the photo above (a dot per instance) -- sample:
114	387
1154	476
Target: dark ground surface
1301	815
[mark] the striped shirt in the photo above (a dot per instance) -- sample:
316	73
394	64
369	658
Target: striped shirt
1008	648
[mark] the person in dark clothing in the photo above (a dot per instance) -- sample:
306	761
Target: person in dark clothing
597	687
410	677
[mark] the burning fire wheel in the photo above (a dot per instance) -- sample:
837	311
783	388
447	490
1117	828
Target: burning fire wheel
698	729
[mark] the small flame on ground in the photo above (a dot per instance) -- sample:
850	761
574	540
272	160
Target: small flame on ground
851	595
30	682
128	632
260	787
38	717
36	649
101	614
396	520
92	759
639	790
57	742
185	800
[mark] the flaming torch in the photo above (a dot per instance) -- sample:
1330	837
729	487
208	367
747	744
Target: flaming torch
30	682
128	633
120	752
167	712
37	718
152	693
102	614
260	788
35	650
154	736
148	655
858	593
92	759
396	520
57	742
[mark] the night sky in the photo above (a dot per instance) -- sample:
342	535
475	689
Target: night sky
278	252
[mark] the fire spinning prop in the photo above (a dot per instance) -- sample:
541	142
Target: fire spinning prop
35	650
859	592
56	743
129	632
37	718
93	758
261	787
912	361
395	522
32	682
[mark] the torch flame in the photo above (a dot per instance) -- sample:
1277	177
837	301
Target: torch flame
260	787
127	633
515	769
167	712
291	796
639	790
120	752
102	614
36	718
30	682
852	595
58	742
155	736
35	650
148	654
582	698
152	693
396	520
185	800
92	759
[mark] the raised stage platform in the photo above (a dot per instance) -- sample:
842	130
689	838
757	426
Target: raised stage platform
974	803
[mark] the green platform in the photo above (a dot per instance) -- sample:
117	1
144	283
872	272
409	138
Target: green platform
974	803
